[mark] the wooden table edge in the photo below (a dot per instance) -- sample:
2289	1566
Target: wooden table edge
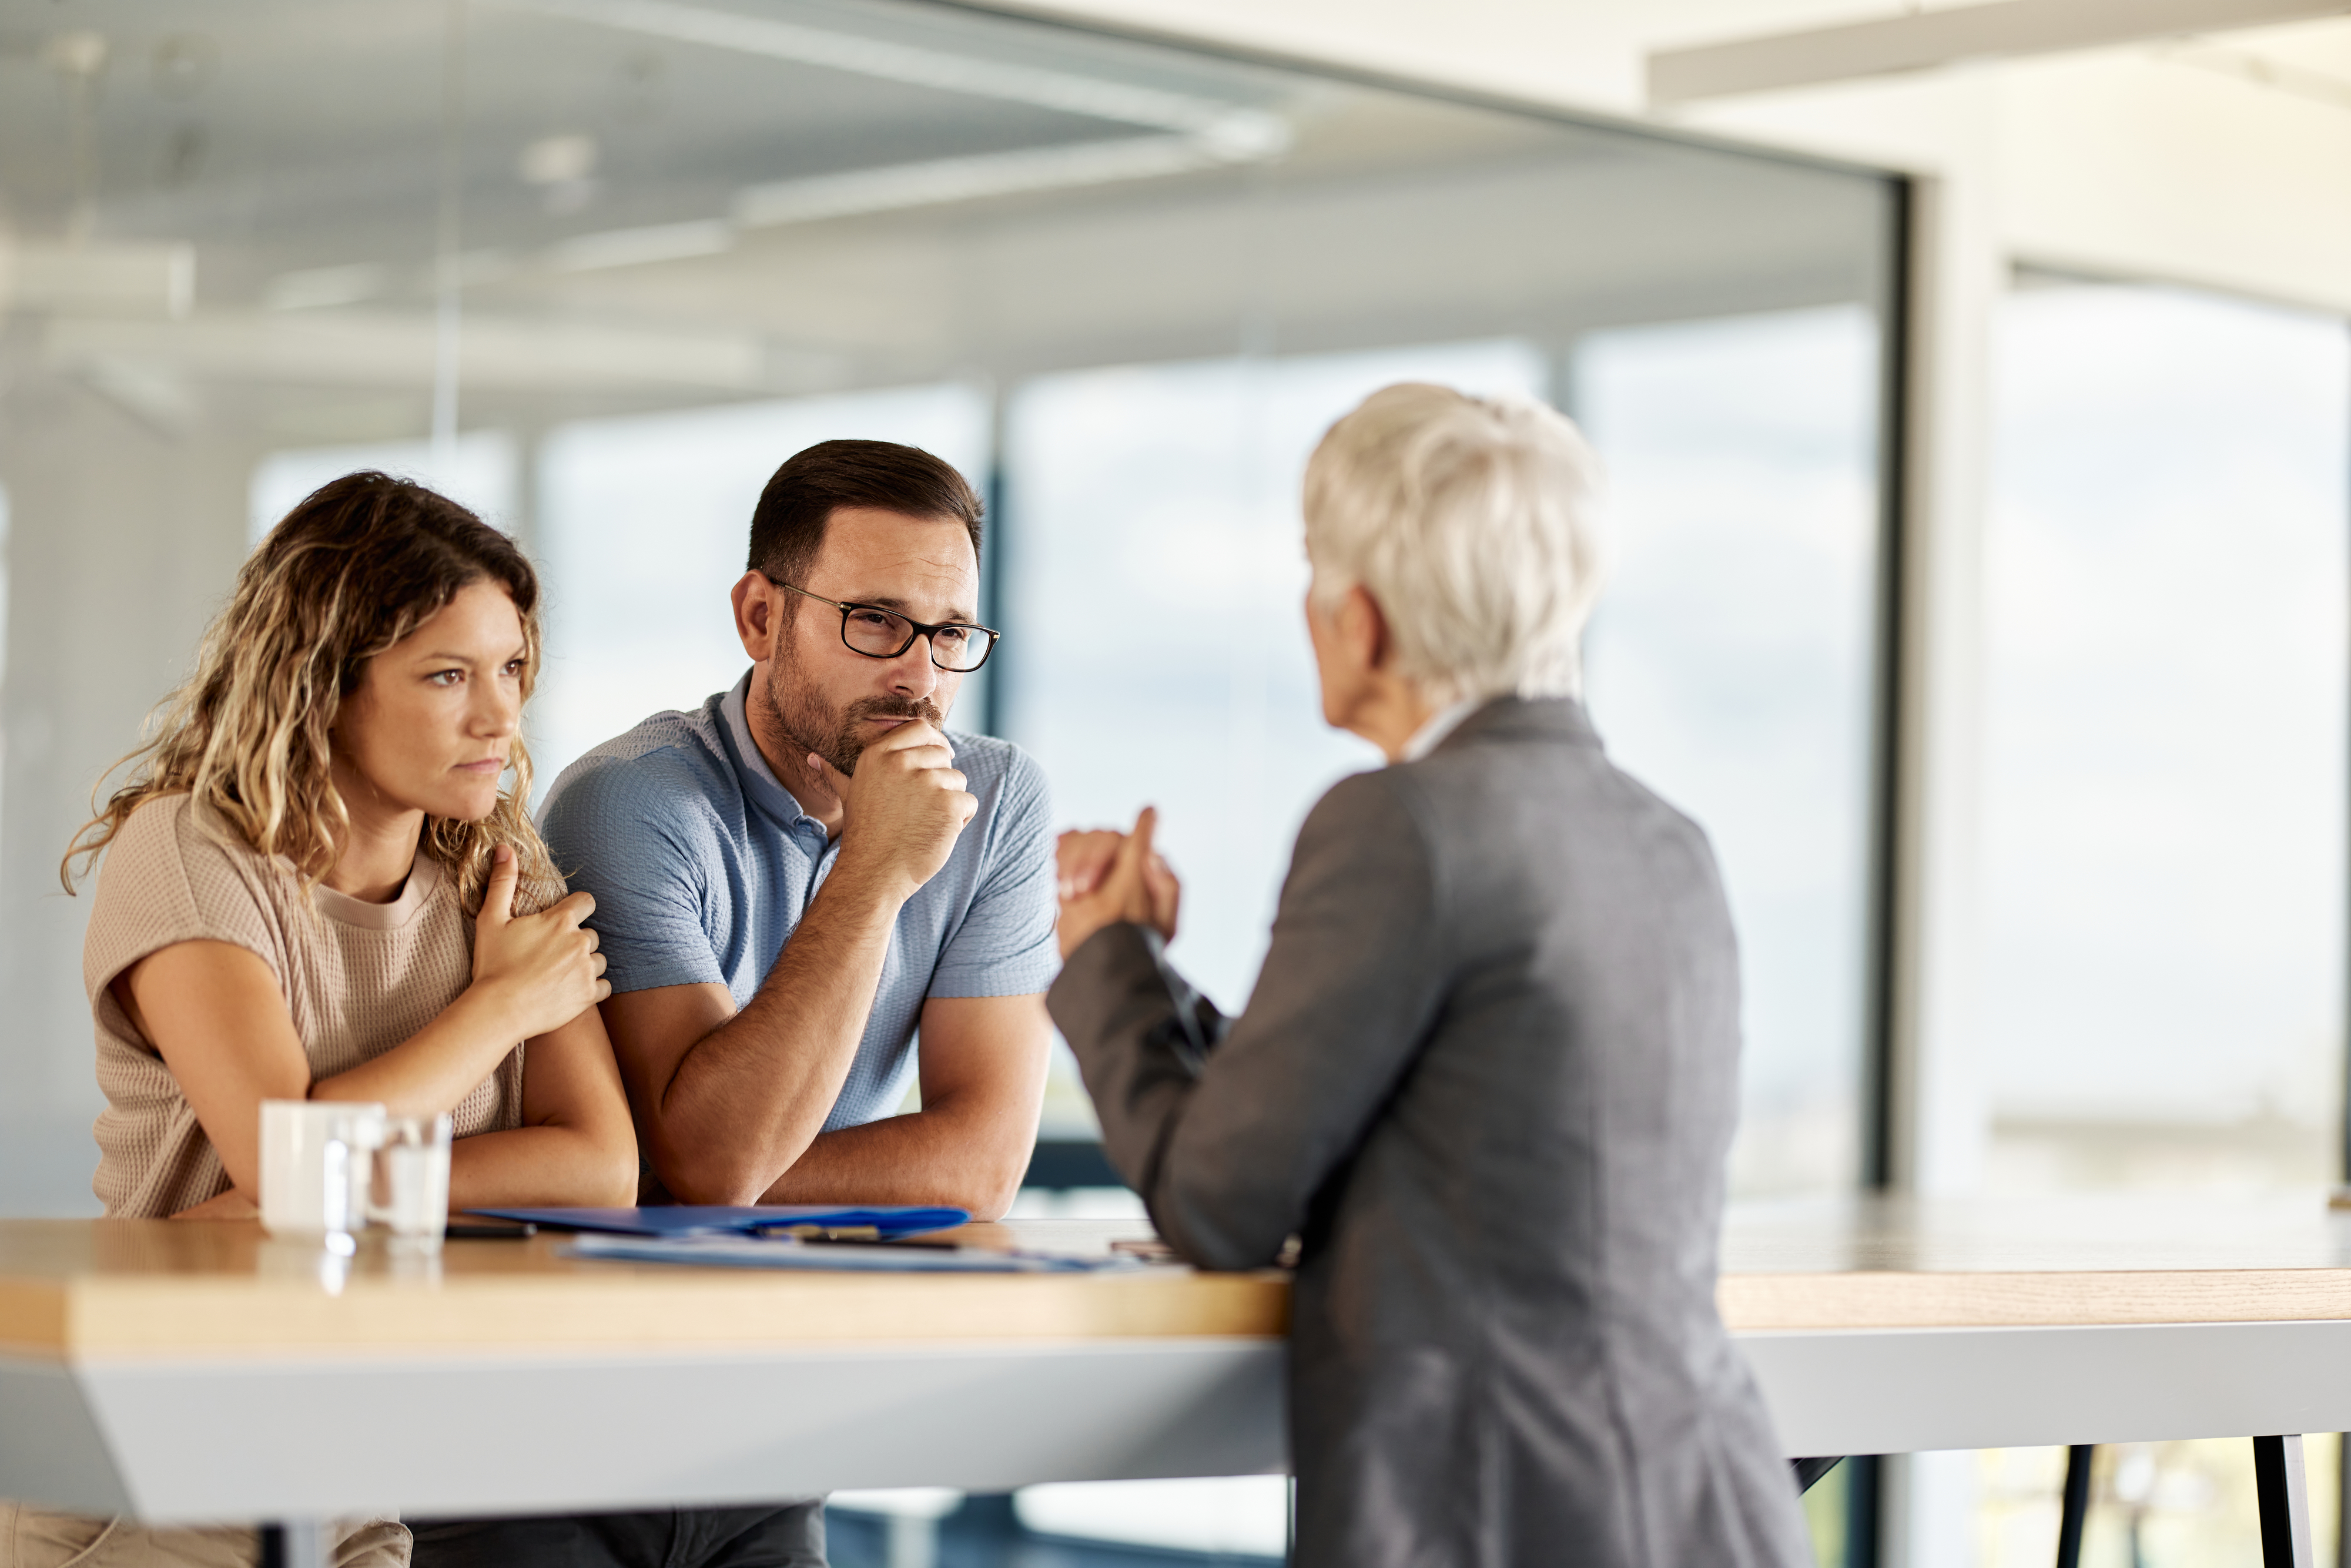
650	1310
685	1311
1890	1298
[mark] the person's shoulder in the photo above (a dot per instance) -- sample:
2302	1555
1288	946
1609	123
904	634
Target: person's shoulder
153	828
1377	798
670	760
1548	743
991	755
175	829
179	869
1507	742
686	737
990	762
146	846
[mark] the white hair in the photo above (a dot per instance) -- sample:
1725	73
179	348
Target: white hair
1475	523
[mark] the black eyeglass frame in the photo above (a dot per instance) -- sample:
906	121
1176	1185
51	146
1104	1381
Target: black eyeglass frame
920	630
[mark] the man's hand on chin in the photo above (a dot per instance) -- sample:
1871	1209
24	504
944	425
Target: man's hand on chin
903	810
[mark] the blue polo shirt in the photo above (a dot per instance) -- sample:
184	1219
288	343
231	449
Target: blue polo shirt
702	864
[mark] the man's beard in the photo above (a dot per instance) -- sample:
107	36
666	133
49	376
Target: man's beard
838	735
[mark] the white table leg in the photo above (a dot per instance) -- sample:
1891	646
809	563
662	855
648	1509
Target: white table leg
2284	1494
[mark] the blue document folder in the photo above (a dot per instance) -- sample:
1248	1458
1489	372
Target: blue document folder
693	1219
750	1252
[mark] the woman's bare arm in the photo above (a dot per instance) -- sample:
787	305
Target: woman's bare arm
215	1012
576	1144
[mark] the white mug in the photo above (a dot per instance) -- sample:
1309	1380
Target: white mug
309	1149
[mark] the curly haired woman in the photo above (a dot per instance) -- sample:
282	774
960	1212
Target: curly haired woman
317	885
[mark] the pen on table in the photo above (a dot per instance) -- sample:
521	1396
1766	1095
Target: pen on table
854	1235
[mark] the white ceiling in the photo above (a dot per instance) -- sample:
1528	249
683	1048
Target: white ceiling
2223	161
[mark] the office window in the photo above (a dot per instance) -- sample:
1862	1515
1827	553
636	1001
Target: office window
1164	498
1731	666
2163	853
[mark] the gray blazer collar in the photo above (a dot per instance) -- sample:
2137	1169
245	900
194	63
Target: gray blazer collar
1557	720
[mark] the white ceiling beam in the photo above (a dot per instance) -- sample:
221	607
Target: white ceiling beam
98	279
1924	40
1066	92
384	349
902	185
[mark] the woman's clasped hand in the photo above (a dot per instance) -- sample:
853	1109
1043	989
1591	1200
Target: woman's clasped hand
545	966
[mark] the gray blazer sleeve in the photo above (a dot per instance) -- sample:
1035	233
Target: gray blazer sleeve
1230	1161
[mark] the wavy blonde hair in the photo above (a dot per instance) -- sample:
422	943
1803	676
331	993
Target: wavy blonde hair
357	567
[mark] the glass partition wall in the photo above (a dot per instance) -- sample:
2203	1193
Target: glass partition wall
597	265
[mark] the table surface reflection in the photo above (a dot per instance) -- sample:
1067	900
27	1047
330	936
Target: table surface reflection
72	1289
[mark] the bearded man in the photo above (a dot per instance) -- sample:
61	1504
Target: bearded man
794	878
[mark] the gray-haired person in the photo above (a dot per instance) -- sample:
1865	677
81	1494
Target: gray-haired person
1490	1071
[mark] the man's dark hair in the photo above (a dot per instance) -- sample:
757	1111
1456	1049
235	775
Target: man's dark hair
787	528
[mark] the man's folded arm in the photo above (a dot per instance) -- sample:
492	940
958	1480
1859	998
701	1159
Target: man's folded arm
984	1044
727	1101
720	1099
983	1075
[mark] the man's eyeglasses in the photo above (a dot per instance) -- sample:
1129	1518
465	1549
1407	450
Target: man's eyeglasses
881	633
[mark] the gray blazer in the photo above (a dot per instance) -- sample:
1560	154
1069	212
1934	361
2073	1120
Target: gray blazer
1489	1078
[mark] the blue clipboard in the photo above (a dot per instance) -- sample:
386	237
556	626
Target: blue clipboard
781	1252
712	1219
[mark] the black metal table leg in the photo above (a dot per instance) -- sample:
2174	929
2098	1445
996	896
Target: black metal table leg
1811	1470
295	1543
2077	1509
2284	1494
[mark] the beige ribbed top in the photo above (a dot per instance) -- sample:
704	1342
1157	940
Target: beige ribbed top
358	979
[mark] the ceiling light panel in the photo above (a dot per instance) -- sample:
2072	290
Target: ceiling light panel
1924	40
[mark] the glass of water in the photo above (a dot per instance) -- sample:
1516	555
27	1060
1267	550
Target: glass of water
408	1190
